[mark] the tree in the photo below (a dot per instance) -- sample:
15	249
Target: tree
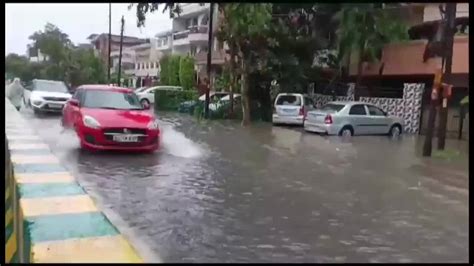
245	28
174	70
186	72
164	70
52	42
365	29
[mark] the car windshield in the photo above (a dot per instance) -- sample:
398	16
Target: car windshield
51	86
108	99
331	107
289	100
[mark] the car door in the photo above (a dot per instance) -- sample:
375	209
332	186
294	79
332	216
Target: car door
358	119
70	111
379	121
150	95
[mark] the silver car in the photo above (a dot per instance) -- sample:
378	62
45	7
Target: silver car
352	118
291	108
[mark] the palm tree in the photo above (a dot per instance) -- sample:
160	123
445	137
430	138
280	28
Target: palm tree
365	29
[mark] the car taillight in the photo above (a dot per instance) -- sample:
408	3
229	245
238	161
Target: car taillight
328	119
302	111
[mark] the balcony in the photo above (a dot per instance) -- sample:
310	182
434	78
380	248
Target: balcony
194	34
407	59
192	9
217	57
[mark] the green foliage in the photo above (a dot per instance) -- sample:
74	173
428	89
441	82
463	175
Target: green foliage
365	29
171	99
66	63
174	70
465	100
186	72
164	70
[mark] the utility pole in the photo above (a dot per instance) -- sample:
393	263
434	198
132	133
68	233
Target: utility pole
120	54
448	40
110	39
432	113
209	60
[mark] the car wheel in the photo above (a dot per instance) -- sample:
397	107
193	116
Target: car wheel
395	131
36	111
346	132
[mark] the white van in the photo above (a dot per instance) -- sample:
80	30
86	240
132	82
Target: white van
291	108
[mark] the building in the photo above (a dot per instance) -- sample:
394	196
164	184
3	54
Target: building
138	62
410	62
101	44
35	55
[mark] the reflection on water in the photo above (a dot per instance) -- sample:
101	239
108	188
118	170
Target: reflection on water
216	192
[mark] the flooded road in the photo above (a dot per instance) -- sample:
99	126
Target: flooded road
216	192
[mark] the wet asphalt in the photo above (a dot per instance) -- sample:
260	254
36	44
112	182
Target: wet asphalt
217	192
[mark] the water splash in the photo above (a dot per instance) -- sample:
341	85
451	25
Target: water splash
175	143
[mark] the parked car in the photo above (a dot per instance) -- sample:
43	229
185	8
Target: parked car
352	118
215	105
291	108
111	118
46	95
188	106
147	95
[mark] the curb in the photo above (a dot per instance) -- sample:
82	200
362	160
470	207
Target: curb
48	216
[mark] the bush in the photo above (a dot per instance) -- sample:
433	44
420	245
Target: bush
171	99
186	72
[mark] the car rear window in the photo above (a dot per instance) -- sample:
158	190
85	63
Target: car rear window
332	107
289	100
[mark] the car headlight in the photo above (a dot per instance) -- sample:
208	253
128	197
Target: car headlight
90	122
153	124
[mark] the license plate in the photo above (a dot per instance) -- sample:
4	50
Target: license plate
125	138
55	106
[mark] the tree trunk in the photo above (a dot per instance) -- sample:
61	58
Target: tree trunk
360	64
232	80
245	95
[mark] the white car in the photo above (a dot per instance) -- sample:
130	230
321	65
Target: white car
46	95
291	108
214	106
147	95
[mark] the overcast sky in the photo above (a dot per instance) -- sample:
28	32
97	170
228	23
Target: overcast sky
76	20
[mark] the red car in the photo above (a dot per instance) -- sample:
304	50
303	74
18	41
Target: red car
111	118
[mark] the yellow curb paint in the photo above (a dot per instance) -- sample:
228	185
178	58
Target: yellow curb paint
57	205
34	158
10	247
44	178
8	217
7	193
27	146
113	249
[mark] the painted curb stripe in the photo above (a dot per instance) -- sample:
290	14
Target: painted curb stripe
9	231
8	217
24	141
50	190
57	205
31	159
38	168
67	226
86	250
27	146
10	248
65	177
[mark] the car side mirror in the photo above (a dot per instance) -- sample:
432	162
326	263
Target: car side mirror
74	102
